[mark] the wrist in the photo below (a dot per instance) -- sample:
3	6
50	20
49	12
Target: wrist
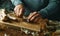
20	5
43	14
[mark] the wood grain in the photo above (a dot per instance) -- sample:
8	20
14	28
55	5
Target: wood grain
22	24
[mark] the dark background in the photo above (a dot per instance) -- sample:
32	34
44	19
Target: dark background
6	4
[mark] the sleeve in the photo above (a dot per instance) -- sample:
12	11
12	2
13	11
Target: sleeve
16	2
48	10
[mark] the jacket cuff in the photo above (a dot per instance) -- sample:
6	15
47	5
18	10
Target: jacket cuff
43	13
15	2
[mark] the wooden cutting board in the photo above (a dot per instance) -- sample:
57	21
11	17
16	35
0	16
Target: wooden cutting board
23	24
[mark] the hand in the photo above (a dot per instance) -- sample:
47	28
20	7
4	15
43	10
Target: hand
34	17
19	10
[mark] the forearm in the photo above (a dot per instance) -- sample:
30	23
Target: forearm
48	10
16	2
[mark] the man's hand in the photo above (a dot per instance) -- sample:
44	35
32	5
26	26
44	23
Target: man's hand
19	10
34	17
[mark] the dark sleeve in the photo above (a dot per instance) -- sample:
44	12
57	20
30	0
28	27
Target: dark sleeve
16	2
48	10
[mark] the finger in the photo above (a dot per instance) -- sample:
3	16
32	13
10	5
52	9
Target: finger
31	15
37	19
17	12
34	17
20	12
